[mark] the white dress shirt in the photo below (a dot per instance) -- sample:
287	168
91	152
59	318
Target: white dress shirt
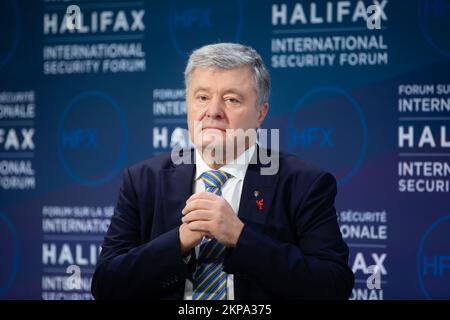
231	191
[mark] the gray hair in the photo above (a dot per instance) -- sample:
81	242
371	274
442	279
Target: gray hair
230	56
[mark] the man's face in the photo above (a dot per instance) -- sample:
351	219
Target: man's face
221	99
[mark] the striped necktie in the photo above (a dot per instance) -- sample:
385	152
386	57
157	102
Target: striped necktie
210	281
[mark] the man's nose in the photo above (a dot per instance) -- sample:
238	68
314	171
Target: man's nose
215	108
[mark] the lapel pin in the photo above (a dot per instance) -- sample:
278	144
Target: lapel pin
260	204
256	193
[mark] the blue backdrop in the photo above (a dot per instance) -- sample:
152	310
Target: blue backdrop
370	103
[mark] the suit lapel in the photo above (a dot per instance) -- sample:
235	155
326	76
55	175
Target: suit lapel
256	187
176	188
257	193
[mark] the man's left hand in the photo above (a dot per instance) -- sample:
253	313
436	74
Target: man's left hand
211	214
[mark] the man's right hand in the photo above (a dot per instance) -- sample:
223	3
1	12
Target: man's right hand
188	239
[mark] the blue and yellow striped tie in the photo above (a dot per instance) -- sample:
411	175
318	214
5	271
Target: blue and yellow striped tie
210	281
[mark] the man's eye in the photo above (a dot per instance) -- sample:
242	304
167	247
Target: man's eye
232	101
202	98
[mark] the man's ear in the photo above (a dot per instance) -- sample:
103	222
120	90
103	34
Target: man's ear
262	112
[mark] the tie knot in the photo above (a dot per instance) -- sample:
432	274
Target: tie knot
214	179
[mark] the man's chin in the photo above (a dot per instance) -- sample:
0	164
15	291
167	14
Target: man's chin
212	135
212	145
213	138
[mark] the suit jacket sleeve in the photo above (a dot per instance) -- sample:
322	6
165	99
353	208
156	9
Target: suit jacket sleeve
313	267
130	267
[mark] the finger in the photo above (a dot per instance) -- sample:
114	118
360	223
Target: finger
198	215
202	195
197	204
201	226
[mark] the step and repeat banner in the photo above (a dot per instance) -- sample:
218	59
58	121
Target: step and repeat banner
361	91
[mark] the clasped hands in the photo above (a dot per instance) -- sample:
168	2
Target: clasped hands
208	215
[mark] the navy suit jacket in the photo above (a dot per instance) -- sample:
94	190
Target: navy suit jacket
290	249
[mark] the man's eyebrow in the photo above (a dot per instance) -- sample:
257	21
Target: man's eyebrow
235	91
201	89
230	90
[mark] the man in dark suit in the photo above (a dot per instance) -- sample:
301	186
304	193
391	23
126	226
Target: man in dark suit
219	227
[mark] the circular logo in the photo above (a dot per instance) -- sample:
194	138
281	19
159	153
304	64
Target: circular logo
9	248
434	21
433	260
209	21
327	127
10	26
92	138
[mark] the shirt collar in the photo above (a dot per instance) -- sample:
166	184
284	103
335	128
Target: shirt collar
237	168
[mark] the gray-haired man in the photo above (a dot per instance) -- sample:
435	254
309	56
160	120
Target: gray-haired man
217	228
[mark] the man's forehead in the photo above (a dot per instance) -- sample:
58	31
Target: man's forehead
215	70
240	77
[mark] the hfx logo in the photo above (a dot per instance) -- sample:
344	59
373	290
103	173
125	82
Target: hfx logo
92	138
436	7
78	138
434	23
10	249
193	17
433	260
320	137
327	127
205	19
10	25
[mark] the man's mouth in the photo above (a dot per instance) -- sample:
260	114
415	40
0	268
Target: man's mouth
213	128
